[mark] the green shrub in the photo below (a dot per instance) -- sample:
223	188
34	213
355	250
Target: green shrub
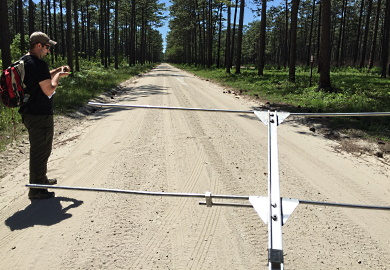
356	90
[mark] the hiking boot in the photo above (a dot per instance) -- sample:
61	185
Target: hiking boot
50	182
40	194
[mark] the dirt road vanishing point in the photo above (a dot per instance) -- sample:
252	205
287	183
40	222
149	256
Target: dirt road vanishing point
190	152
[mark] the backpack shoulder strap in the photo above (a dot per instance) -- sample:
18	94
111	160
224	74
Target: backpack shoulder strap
25	57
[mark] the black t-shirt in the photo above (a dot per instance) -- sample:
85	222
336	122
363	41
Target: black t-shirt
36	70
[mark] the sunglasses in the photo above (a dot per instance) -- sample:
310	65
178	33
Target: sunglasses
46	45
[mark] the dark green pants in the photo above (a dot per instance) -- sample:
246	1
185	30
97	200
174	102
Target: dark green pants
40	130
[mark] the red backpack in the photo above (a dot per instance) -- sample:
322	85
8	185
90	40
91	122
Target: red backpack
12	88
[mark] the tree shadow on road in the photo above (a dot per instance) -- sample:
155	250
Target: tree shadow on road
123	95
42	212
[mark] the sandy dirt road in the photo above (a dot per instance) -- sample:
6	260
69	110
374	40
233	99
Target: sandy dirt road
194	152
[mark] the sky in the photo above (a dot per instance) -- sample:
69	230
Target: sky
249	15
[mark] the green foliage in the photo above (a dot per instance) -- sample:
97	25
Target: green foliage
356	91
9	125
15	47
75	91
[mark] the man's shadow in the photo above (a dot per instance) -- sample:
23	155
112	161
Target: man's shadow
42	212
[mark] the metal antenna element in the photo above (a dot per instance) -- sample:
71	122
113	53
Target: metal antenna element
211	196
273	210
236	111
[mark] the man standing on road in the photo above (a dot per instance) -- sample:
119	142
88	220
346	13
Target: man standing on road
37	110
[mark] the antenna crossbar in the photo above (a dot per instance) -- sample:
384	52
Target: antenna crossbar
200	195
238	111
273	210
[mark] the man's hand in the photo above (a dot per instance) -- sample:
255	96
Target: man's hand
62	71
65	69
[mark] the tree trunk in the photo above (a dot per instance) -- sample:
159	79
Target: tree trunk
325	49
194	35
82	30
116	51
5	40
344	35
197	35
239	37
209	34
233	35
143	43
319	32
219	35
285	47
293	43
373	45
21	27
339	43
228	38
42	17
308	56
89	36
55	49
263	25
50	30
69	39
63	43
366	30
199	60
203	42
101	32
107	59
132	33
31	17
76	35
385	39
357	43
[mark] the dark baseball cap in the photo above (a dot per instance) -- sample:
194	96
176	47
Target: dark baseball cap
39	37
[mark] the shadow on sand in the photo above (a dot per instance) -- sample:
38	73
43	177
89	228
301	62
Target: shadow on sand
42	212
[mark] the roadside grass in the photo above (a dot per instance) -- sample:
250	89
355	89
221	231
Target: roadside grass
77	90
72	93
355	91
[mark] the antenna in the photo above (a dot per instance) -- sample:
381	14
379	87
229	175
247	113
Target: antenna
273	209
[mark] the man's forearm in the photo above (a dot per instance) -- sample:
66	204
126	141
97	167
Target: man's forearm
55	71
55	80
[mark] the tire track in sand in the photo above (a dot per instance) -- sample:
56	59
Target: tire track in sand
178	209
209	222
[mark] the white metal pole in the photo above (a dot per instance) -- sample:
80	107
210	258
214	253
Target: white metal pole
275	218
